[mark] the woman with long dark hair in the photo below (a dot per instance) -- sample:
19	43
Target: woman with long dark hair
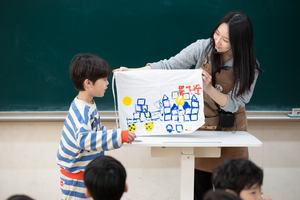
230	70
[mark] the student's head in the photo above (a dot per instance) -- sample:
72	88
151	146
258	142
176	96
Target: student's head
105	179
241	177
220	195
19	197
88	67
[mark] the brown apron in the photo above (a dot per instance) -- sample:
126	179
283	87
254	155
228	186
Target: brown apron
225	84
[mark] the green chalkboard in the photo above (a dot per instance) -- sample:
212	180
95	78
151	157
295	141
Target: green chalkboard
38	39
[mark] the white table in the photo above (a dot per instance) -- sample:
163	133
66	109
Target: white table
189	146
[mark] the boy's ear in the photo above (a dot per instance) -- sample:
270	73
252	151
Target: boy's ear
87	193
126	187
231	192
87	83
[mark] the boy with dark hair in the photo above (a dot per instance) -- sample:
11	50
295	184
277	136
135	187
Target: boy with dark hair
240	177
105	179
83	137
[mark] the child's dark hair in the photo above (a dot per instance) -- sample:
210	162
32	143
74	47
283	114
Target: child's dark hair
220	195
88	66
105	178
19	197
237	175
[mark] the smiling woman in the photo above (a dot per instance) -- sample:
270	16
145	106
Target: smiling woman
230	70
221	37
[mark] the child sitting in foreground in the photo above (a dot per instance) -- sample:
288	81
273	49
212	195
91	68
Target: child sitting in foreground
240	177
20	197
220	195
105	179
83	137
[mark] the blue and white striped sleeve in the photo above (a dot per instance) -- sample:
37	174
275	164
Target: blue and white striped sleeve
87	139
103	140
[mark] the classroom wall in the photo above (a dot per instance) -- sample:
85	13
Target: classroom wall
28	162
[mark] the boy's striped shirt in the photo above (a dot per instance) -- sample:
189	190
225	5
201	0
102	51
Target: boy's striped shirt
83	138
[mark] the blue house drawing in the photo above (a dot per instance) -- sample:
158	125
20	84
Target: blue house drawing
194	108
165	112
166	108
175	112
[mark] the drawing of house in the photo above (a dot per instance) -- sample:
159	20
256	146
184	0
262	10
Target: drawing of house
166	108
187	111
174	112
194	108
165	112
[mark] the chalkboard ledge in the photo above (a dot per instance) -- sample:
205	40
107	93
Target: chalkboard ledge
47	116
109	116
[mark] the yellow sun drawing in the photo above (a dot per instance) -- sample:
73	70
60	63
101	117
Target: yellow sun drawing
149	126
180	100
127	101
132	127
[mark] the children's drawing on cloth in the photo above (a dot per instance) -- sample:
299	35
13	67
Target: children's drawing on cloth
156	102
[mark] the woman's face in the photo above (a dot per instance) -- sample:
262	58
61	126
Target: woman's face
221	37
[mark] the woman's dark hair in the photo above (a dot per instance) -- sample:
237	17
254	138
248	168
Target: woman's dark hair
237	175
241	42
105	178
88	66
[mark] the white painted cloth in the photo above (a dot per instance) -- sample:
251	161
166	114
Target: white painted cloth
158	102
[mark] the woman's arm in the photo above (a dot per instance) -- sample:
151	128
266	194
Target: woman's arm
186	58
234	102
217	96
228	102
183	60
147	67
